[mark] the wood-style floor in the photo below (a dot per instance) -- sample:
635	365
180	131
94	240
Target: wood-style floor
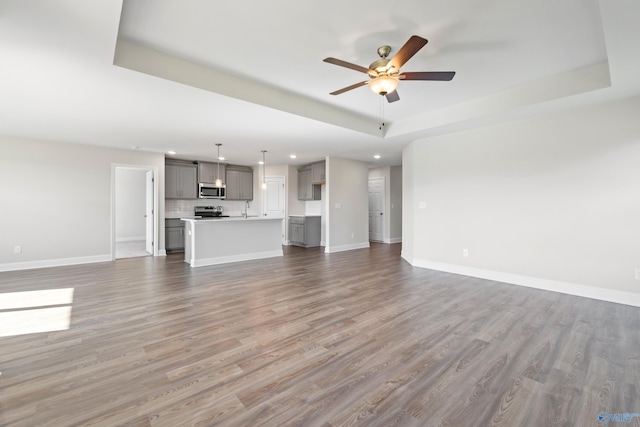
314	339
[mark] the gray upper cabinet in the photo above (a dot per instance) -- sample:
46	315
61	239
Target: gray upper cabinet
317	173
181	181
307	190
239	183
208	172
304	184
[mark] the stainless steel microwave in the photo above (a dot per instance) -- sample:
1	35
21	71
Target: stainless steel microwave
210	191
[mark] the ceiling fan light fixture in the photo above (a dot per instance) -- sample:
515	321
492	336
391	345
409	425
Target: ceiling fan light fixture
383	85
384	73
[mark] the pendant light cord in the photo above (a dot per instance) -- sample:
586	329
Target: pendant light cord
264	171
218	180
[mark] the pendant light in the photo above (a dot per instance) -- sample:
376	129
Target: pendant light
218	180
264	169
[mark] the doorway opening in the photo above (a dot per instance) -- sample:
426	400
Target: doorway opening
376	209
134	228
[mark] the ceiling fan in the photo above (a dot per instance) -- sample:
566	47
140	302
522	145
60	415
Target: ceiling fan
385	73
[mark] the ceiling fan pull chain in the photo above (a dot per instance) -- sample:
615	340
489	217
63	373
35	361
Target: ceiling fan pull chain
382	115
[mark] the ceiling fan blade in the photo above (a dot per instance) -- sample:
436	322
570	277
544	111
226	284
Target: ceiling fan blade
410	48
348	88
346	64
393	96
428	75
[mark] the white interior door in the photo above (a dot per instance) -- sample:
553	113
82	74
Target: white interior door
376	209
149	220
273	200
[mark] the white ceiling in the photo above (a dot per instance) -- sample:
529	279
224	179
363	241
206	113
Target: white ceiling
184	74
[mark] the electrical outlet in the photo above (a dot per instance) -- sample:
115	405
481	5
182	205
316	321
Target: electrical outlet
423	205
17	249
465	253
352	235
637	273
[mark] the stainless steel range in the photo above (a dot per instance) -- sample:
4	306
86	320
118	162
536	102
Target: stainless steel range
209	212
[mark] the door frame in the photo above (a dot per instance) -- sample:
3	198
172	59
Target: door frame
150	194
149	215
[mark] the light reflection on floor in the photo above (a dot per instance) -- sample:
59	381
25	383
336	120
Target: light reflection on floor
35	311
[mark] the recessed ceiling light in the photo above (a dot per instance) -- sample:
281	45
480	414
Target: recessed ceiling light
171	152
220	158
377	156
293	156
260	162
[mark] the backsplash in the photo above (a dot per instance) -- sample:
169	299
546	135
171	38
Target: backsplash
175	208
313	207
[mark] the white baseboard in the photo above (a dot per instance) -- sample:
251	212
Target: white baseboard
343	248
27	265
162	252
130	239
610	295
235	258
393	240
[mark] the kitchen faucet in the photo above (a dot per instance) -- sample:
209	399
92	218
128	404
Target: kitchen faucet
246	209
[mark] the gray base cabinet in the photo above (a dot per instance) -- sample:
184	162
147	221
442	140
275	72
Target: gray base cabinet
174	235
304	231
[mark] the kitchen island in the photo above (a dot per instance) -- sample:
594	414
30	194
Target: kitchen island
210	241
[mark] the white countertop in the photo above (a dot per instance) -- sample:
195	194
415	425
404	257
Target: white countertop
229	219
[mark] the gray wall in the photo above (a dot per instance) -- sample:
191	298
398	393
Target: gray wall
347	205
57	201
551	202
395	219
